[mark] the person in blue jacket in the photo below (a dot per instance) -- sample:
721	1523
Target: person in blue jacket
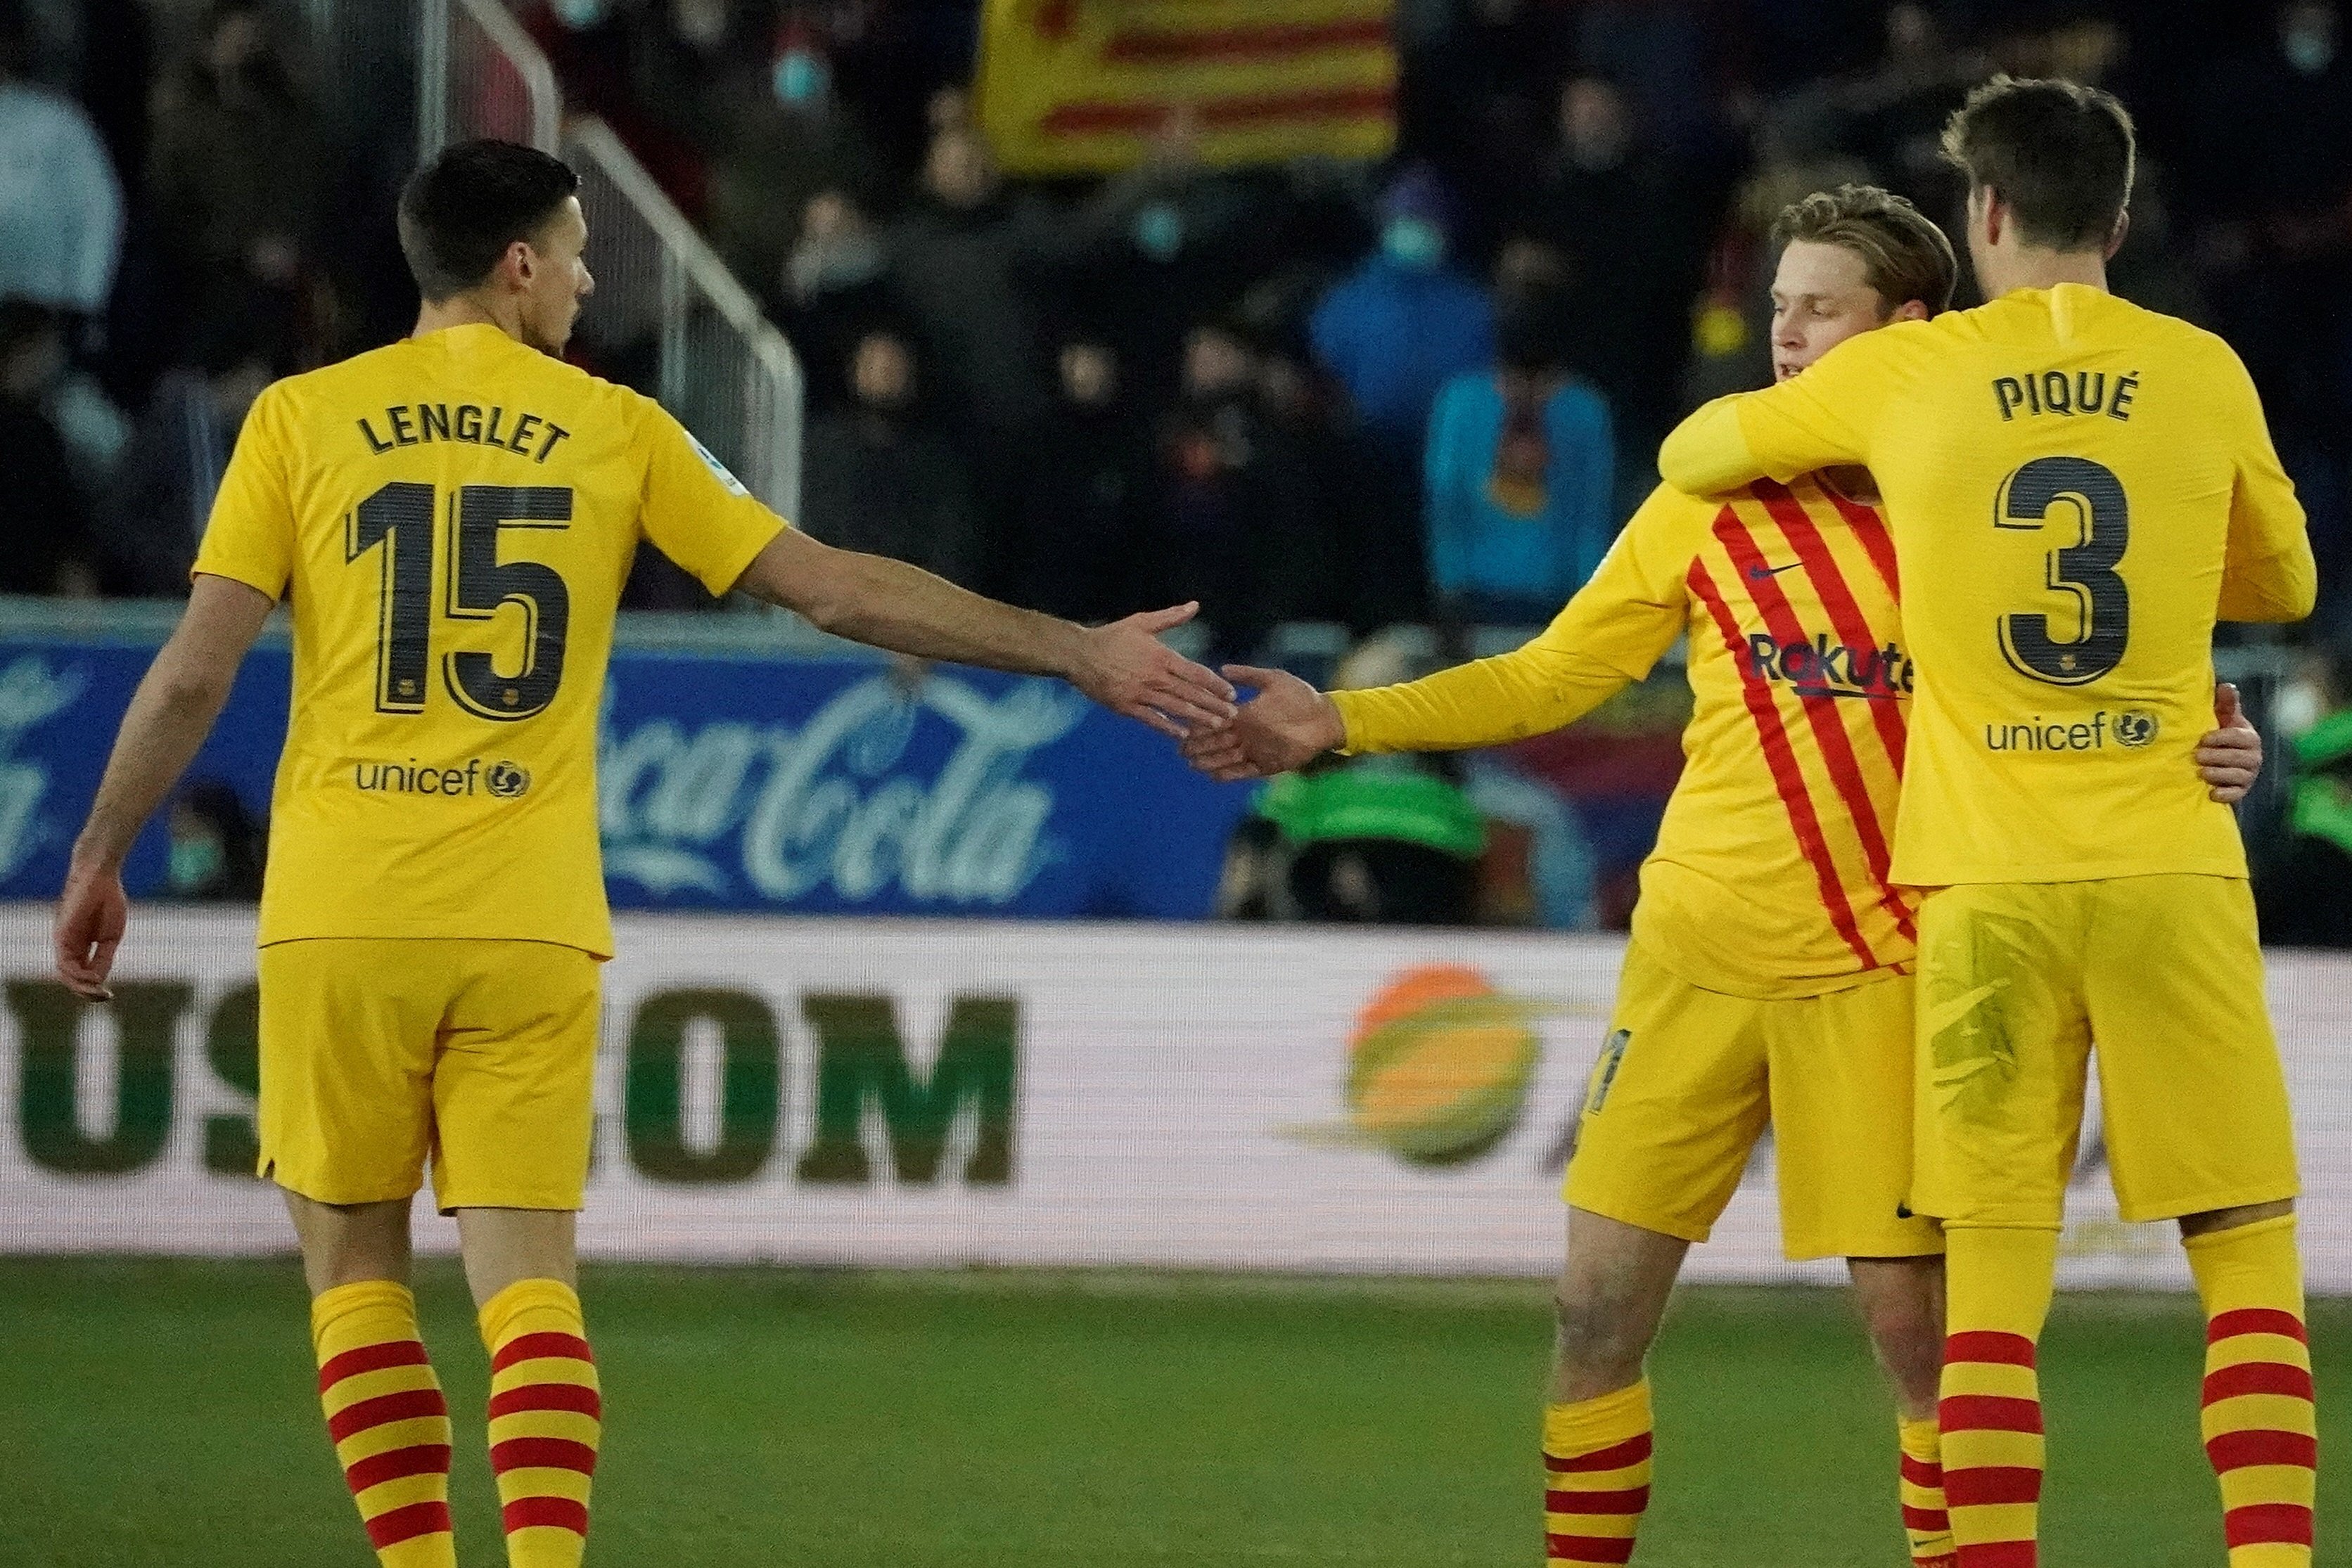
1398	328
1518	471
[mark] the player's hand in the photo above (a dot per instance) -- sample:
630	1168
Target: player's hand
91	913
1125	667
1287	726
2230	755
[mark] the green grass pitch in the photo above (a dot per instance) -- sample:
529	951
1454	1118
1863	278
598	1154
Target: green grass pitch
162	1413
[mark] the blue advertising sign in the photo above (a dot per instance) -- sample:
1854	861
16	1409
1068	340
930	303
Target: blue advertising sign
831	784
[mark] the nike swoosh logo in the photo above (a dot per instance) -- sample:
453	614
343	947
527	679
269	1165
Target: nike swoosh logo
1759	573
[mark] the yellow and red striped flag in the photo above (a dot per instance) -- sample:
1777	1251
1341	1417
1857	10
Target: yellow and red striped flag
1081	86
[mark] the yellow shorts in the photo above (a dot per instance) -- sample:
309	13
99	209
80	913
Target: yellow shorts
376	1053
2164	974
1688	1081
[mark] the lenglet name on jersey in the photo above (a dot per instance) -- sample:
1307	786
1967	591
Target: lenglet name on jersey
528	436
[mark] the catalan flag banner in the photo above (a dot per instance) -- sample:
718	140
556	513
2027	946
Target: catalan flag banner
1081	86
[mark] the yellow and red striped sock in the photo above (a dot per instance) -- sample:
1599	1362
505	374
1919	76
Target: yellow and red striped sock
390	1425
1925	1522
1596	1476
546	1420
2260	1424
1997	1285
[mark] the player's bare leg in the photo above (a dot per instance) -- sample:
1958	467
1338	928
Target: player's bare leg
1613	1294
383	1404
502	1246
348	1243
1612	1297
2260	1424
1901	1301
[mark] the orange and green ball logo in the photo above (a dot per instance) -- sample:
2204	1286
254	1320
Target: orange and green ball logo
1439	1065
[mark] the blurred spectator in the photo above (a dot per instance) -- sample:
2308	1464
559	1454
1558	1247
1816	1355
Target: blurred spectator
1405	322
835	287
1081	522
1255	500
1632	223
41	371
1895	113
162	495
1165	245
240	165
100	53
217	848
60	203
43	524
880	479
960	262
1520	469
789	139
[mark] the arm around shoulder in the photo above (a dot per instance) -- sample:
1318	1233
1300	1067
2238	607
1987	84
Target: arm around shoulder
2269	573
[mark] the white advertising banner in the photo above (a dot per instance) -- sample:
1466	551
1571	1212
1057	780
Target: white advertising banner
936	1094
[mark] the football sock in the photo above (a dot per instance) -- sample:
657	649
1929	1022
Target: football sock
546	1419
2259	1421
1596	1476
1997	1285
389	1423
1924	1521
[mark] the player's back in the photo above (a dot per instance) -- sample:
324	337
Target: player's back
453	516
2069	478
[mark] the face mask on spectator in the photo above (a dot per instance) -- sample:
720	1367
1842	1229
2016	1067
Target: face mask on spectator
800	77
2310	47
1158	231
1414	243
580	14
843	261
196	860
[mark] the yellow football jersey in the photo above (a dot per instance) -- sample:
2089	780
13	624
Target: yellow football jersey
453	516
1771	876
2078	488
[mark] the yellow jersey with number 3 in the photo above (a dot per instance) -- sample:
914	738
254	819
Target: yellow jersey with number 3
452	517
2078	488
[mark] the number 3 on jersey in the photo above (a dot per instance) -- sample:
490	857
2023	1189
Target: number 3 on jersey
2086	570
399	518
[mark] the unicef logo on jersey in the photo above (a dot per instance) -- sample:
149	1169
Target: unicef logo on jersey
2136	727
507	780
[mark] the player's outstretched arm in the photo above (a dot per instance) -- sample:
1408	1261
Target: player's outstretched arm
2230	757
173	710
1288	725
889	604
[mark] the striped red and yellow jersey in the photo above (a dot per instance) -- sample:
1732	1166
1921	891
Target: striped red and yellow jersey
1771	875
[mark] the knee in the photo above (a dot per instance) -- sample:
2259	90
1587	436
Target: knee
1599	1343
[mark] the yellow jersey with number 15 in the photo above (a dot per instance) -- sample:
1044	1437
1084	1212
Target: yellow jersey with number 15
2078	488
453	516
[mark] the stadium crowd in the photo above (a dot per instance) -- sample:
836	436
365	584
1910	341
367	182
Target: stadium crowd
1426	390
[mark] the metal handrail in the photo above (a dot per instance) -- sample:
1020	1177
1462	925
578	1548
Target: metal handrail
689	268
506	38
741	391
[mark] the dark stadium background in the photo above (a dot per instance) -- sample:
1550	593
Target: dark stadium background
1088	396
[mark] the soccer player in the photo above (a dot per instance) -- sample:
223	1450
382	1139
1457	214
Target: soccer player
2078	488
453	516
1767	978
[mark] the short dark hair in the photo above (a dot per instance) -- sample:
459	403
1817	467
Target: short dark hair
461	212
1904	256
2059	153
